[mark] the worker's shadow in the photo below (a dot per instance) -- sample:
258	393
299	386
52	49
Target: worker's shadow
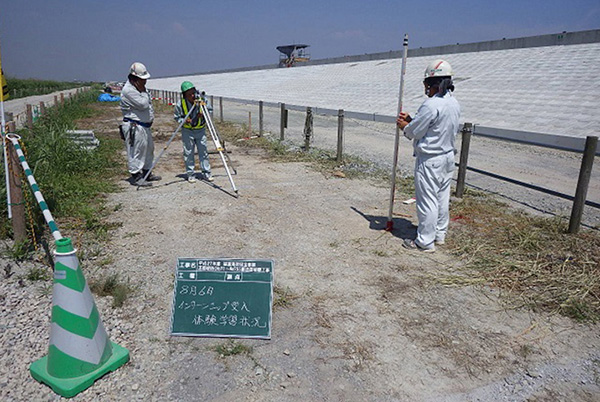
402	228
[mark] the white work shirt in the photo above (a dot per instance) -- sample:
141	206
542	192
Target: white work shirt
434	127
136	105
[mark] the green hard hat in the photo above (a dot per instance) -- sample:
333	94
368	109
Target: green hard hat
185	85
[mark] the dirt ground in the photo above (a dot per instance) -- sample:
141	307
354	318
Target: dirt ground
365	320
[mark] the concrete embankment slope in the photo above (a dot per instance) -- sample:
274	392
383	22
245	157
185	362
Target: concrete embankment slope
526	84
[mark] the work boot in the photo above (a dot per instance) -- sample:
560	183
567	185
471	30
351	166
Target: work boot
412	245
151	176
138	180
208	177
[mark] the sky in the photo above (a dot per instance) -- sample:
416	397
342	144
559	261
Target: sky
97	40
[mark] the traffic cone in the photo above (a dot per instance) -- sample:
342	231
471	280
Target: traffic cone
80	351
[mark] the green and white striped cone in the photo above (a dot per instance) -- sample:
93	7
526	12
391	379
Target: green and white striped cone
80	351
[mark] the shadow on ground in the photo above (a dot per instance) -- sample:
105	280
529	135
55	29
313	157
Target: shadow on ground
403	228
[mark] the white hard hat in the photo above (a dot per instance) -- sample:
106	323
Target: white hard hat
139	70
438	68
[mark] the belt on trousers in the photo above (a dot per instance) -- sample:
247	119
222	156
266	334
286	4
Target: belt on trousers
139	123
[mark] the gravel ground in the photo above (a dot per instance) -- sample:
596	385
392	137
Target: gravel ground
366	320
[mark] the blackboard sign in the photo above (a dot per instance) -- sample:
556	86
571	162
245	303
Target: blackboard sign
222	298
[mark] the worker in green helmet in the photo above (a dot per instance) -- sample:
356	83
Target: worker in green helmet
193	132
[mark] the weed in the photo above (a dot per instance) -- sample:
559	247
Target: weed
19	251
232	348
525	351
130	235
105	261
284	297
112	286
70	178
359	353
8	271
37	274
380	253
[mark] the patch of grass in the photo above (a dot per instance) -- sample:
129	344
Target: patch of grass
71	178
46	289
19	88
19	251
380	253
360	353
112	286
232	348
534	258
130	235
37	274
283	297
525	351
105	261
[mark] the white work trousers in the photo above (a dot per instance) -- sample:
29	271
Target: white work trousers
141	152
433	174
195	139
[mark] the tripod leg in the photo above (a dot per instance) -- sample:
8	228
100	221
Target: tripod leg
215	139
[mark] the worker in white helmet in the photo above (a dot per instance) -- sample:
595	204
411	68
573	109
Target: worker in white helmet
138	115
193	131
433	131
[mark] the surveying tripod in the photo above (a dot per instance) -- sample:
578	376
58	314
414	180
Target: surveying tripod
214	135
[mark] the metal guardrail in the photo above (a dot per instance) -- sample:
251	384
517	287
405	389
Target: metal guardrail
562	142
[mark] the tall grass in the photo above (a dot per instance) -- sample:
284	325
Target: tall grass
70	177
19	88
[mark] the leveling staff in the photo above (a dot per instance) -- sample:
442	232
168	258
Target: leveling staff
433	131
138	115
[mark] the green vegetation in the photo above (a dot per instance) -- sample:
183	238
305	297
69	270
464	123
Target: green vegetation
38	274
232	348
112	286
70	178
20	88
20	251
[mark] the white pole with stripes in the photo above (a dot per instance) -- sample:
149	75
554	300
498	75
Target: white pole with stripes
14	138
390	221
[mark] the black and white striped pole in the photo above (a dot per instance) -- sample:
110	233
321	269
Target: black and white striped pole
14	138
390	223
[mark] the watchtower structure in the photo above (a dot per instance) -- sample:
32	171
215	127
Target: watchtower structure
292	54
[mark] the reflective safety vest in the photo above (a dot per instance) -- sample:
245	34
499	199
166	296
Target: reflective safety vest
200	121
